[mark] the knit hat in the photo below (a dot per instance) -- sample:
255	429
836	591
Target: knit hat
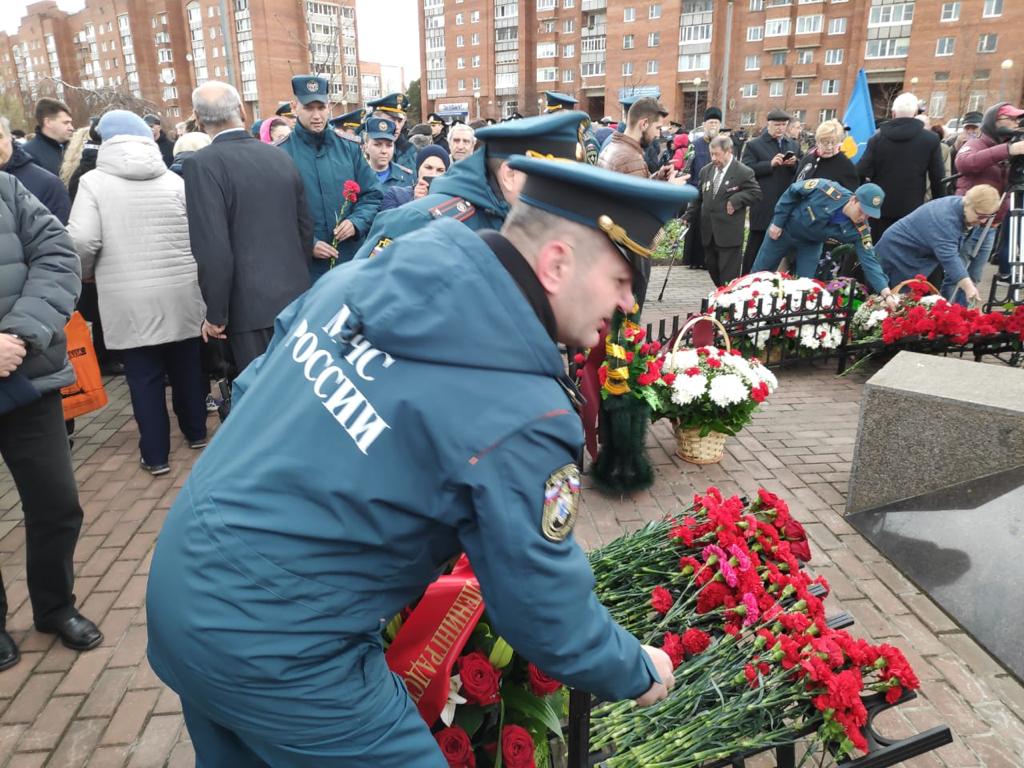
121	122
433	150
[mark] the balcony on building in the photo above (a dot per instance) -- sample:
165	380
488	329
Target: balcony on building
805	70
593	5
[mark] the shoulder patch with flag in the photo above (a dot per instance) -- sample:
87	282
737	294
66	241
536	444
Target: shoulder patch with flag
561	503
457	208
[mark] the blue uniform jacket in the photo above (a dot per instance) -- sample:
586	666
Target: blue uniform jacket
467	179
397	418
933	234
400	177
804	213
325	162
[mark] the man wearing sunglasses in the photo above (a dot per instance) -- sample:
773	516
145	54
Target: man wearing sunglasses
936	236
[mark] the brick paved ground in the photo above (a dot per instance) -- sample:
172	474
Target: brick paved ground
106	708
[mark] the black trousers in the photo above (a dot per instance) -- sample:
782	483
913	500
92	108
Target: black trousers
89	306
878	227
34	445
694	253
144	370
754	239
723	264
246	346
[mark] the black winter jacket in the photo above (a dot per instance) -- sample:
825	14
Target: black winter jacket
40	182
46	152
774	181
902	158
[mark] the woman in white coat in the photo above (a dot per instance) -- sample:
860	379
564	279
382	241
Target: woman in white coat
129	226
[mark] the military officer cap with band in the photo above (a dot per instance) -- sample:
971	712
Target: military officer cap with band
310	88
284	109
379	128
557	101
870	196
629	210
558	134
393	102
628	101
350	120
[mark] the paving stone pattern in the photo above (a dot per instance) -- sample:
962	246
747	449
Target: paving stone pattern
106	708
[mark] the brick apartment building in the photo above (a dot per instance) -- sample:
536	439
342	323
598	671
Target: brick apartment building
493	57
159	50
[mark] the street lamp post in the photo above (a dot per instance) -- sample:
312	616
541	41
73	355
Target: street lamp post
476	95
696	98
1004	67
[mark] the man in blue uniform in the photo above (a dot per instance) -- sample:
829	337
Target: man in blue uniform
284	111
559	101
349	125
813	211
393	107
398	418
379	148
325	162
479	189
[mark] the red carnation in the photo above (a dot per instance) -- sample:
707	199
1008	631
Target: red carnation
579	358
517	747
456	747
695	641
714	362
672	644
480	679
661	600
350	191
541	684
694	371
669	378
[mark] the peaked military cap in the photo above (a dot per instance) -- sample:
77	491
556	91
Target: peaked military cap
380	128
309	88
629	210
393	102
559	134
628	101
284	109
435	119
349	120
557	101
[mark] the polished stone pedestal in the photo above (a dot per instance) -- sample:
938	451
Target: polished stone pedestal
964	546
929	422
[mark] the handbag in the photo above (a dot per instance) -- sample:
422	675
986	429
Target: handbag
87	394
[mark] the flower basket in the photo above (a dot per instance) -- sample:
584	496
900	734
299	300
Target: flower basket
691	447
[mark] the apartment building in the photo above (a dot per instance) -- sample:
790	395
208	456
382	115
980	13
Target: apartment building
493	57
159	50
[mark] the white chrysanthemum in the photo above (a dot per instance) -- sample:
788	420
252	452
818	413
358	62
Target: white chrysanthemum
833	336
874	318
809	337
686	389
684	359
728	389
763	374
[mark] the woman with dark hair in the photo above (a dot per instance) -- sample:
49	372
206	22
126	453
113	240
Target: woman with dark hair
431	161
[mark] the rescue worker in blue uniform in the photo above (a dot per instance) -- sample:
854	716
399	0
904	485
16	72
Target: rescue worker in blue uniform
813	211
325	162
479	190
393	108
557	102
625	103
379	148
284	111
400	417
350	125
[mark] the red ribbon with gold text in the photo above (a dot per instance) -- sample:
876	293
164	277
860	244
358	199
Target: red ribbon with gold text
431	639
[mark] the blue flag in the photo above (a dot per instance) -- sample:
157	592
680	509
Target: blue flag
860	117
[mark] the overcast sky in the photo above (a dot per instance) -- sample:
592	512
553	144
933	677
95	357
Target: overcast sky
388	31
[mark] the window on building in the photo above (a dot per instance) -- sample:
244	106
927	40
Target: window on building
652	66
547	74
568	51
945	46
801	87
937	104
164	56
942	76
806	25
778	58
689	62
653	39
459	18
982	74
748	118
475	61
547	50
593	69
547	26
837	26
654	12
474	17
569	26
977	101
749	91
754	34
627	68
460	63
992	8
950	12
987	43
627	42
826	114
834	56
568	75
776	28
892	47
461	85
776	88
474	39
460	41
891	14
805	56
757	5
829	87
545	5
568	4
752	63
629	14
778	3
476	83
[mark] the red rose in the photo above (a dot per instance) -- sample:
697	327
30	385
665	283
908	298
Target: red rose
480	679
456	746
517	747
661	600
541	684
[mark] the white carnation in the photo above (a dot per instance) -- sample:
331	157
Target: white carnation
686	389
728	389
874	318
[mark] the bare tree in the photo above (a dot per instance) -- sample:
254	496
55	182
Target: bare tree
88	102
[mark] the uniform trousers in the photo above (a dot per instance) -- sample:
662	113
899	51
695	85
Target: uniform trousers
808	253
754	239
724	264
34	445
145	369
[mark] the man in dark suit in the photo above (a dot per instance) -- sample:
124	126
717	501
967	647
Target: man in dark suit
774	158
727	188
249	226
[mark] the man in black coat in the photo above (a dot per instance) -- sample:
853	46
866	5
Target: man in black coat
40	182
773	157
727	188
249	226
903	158
54	128
164	144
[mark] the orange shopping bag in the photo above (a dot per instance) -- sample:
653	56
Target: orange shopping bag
87	393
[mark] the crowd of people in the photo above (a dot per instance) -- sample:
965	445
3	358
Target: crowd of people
192	256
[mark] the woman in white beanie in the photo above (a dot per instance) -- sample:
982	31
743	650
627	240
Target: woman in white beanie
131	232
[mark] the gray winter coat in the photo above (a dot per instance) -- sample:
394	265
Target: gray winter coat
40	280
